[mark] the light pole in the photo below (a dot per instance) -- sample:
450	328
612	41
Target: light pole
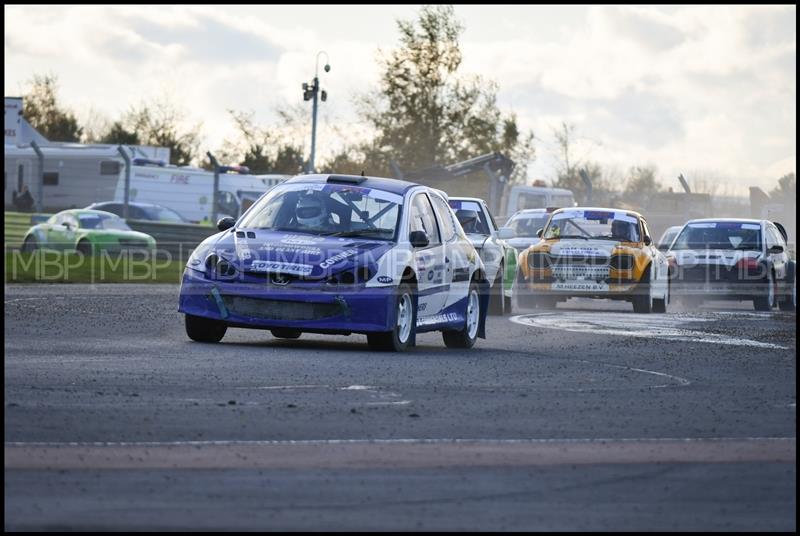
310	93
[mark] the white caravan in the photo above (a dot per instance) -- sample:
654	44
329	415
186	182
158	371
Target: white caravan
190	190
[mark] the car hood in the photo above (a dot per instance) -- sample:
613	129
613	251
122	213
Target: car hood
719	257
306	255
112	234
521	243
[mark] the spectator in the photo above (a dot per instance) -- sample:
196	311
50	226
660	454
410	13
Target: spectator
23	200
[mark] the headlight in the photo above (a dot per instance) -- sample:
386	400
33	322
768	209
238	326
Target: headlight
352	276
538	260
621	262
217	267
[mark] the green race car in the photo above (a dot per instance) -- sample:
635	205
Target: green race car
88	232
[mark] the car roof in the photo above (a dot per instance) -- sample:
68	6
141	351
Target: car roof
86	211
476	199
734	220
602	209
530	211
395	186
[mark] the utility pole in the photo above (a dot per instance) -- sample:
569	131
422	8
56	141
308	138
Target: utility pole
312	93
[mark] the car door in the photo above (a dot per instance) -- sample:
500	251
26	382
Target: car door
429	261
456	264
492	252
56	233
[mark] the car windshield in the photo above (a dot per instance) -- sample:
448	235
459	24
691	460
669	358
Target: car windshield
720	235
158	213
100	221
329	209
594	224
527	225
668	236
470	215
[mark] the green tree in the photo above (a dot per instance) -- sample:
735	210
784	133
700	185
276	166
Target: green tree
118	134
786	189
42	110
159	123
425	114
262	149
641	184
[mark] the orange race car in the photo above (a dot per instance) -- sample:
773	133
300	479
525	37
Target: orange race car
594	253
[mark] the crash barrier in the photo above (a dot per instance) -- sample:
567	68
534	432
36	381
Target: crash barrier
177	240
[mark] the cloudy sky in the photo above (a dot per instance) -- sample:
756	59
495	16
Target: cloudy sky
709	91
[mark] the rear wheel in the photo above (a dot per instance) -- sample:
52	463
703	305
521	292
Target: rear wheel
399	338
466	337
30	244
286	333
202	329
85	247
766	301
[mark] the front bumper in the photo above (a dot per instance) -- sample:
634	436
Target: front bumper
313	309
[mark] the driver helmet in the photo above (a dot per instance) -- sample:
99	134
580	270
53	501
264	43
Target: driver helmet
311	211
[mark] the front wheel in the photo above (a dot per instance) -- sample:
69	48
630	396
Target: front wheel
400	337
497	300
30	244
789	302
643	297
202	329
766	301
466	337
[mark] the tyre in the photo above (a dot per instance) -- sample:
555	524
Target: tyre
508	305
30	244
202	329
466	337
660	306
286	333
400	337
789	302
497	300
643	297
85	247
766	301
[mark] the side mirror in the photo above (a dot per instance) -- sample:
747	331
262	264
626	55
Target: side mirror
419	239
776	249
504	233
225	223
662	247
647	240
539	233
67	225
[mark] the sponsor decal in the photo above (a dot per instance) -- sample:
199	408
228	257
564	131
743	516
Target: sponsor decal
437	319
338	258
285	267
385	279
582	251
580	285
300	240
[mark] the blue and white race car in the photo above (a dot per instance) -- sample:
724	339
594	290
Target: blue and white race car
339	254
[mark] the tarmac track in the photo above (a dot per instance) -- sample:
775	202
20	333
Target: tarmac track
586	418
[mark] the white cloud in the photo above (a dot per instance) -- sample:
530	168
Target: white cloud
711	87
